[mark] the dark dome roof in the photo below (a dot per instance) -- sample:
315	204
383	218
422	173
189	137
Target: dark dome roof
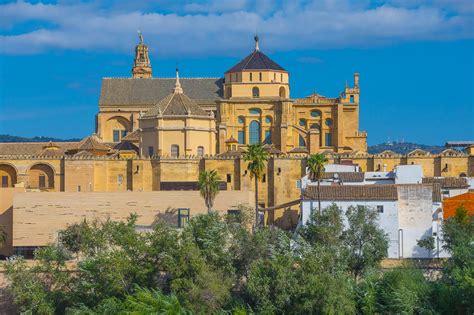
256	61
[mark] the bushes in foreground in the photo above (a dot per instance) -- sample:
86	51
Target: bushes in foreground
216	265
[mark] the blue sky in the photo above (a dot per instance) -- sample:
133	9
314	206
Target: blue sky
415	57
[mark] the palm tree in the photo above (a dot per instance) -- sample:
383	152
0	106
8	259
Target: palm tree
256	156
209	187
316	171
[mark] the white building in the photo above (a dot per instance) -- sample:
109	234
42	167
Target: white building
405	211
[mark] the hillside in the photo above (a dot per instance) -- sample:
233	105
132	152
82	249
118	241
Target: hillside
403	148
9	138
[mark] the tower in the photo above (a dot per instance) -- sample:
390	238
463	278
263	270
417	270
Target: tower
141	65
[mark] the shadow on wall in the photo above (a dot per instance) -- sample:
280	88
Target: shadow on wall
6	219
287	218
169	216
419	252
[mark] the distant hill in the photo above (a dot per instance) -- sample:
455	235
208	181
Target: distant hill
403	148
8	138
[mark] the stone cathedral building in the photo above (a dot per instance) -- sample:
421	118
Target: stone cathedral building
251	104
155	135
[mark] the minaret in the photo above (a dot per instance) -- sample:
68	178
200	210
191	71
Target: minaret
141	65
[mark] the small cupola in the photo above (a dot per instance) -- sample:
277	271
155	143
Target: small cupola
141	65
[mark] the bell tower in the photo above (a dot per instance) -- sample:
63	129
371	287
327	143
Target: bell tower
141	65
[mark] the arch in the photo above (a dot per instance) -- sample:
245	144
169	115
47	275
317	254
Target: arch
315	126
282	92
118	126
241	120
462	175
41	176
315	113
268	119
255	92
8	175
254	132
174	150
328	122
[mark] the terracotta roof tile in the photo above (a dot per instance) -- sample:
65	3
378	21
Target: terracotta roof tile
447	182
347	177
347	192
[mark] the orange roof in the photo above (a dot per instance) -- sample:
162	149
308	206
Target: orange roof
451	204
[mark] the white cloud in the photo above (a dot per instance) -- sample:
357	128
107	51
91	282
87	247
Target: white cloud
225	27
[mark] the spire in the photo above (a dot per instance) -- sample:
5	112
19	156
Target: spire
257	48
141	65
177	86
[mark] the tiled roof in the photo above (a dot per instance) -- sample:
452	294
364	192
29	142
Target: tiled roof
91	143
126	146
347	192
32	148
347	177
134	136
231	140
176	104
84	153
299	150
256	61
447	182
146	92
270	148
233	153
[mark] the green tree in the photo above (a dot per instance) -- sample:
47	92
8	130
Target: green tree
256	156
315	166
366	243
427	243
455	291
208	183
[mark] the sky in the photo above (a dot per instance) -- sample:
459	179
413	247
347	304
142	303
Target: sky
415	57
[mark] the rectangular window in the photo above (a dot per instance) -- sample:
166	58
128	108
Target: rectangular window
351	98
42	181
281	77
151	151
119	179
241	137
298	184
200	151
4	181
183	217
260	76
268	137
250	77
79	188
123	133
229	178
380	209
328	139
116	136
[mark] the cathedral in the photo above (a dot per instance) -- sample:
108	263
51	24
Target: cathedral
251	103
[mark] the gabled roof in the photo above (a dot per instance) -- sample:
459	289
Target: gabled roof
256	61
347	177
418	152
91	143
146	92
176	104
126	146
134	136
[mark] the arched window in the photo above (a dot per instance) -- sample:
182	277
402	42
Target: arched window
174	150
260	76
302	143
251	77
315	113
282	92
200	151
254	132
328	122
8	175
268	137
302	122
255	92
41	176
315	126
268	119
241	120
